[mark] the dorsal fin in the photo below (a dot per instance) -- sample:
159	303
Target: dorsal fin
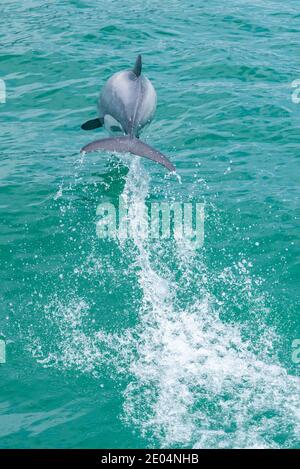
137	69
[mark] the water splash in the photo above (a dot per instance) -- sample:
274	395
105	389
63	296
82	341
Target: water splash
194	379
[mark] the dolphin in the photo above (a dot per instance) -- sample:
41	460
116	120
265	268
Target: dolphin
126	104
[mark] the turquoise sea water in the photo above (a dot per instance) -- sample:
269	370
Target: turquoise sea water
150	343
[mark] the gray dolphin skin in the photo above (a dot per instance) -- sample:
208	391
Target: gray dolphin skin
126	104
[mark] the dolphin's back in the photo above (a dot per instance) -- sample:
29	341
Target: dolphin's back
127	100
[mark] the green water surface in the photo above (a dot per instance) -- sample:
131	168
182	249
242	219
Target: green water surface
150	343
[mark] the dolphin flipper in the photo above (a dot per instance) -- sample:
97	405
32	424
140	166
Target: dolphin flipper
93	124
129	145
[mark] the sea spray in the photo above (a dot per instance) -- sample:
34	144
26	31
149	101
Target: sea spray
190	377
195	379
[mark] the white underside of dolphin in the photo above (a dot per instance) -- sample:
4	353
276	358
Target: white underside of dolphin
126	104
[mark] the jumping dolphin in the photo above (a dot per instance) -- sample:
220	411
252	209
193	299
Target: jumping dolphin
126	104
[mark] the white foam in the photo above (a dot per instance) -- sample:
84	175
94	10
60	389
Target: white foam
195	380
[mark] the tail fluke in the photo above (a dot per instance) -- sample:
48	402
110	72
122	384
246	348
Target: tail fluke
129	145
